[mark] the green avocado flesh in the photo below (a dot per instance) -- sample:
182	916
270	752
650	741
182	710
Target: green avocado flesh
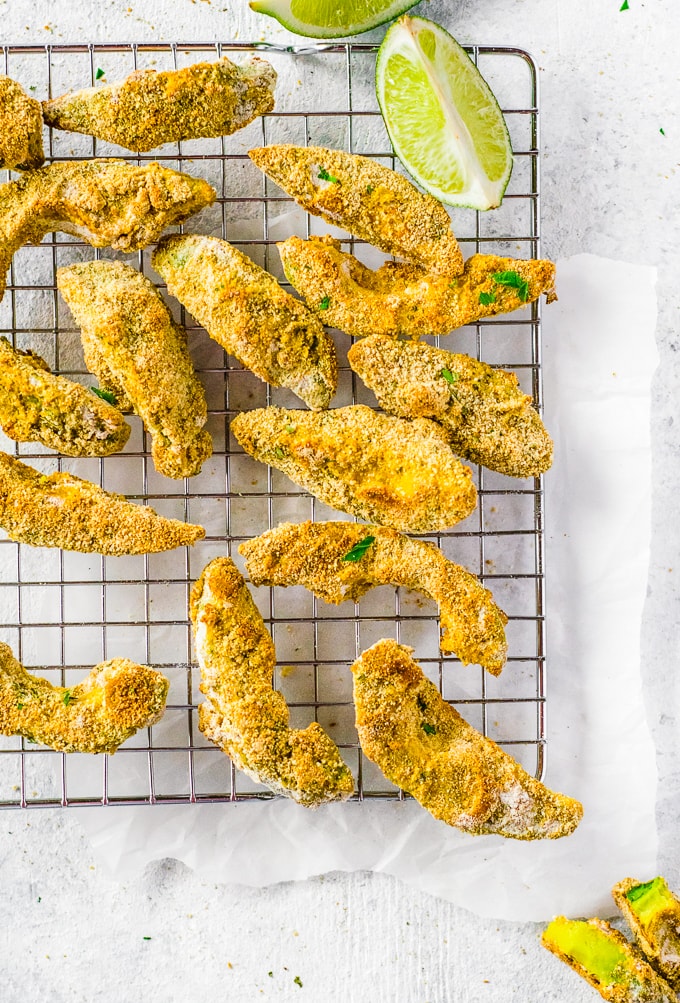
591	948
648	900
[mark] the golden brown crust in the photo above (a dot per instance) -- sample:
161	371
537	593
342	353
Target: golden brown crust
312	554
370	200
36	406
403	300
61	510
108	203
114	701
137	346
382	469
660	937
485	414
247	312
424	746
21	122
636	981
150	108
242	713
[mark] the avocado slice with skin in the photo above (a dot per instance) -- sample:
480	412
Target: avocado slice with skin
603	956
653	914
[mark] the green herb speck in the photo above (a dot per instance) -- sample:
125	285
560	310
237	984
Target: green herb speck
514	281
429	729
146	938
67	698
99	74
662	132
278	452
449	376
486	299
325	303
298	981
325	176
359	549
270	974
290	428
369	189
105	395
624	6
33	88
20	706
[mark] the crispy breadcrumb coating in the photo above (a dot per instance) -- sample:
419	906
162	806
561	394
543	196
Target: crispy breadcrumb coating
130	340
98	714
425	747
382	469
653	914
247	312
21	122
370	200
400	299
108	203
242	713
36	406
61	510
606	960
315	555
486	416
150	108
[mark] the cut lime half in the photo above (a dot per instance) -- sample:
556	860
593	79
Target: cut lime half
332	18
445	124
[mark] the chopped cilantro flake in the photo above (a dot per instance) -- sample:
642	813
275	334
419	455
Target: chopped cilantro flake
20	706
298	981
662	132
99	74
270	974
325	303
105	395
486	299
369	189
429	729
325	176
278	452
359	549
146	938
449	376
67	698
514	281
32	87
624	6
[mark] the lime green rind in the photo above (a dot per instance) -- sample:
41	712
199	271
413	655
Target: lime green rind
646	902
281	11
416	83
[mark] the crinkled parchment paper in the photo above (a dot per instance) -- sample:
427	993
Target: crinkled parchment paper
599	356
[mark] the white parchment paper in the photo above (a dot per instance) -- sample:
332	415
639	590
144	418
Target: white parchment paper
599	356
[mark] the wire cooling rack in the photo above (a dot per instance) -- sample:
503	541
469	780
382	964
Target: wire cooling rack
62	612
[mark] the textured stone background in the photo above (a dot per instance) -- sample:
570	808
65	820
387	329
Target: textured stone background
610	186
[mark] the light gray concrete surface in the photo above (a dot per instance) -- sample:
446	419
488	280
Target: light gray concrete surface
610	186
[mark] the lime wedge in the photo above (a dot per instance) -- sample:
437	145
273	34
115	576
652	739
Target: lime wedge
331	18
444	122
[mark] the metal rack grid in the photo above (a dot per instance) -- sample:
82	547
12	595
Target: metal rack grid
63	612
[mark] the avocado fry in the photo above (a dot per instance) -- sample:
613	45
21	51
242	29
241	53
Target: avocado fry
108	203
340	561
37	406
61	510
653	914
363	196
405	300
21	124
150	108
242	714
133	345
98	714
383	469
250	315
425	747
604	958
487	418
